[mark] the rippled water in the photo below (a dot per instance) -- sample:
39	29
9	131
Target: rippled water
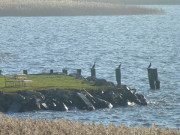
39	44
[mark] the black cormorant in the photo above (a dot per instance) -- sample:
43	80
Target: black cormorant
149	65
93	65
120	65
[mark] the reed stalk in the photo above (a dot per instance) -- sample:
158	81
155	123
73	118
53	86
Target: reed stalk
27	126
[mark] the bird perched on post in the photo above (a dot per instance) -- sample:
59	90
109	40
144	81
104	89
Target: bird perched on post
94	65
120	65
149	65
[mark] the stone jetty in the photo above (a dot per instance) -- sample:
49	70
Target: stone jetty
64	100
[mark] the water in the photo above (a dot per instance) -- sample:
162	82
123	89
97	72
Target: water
39	44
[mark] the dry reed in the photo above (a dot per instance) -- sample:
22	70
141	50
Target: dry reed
17	126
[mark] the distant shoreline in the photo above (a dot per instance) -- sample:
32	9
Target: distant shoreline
70	8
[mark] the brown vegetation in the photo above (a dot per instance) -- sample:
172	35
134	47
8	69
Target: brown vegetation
17	126
68	8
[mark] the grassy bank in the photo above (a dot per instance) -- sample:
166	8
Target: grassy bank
68	8
47	82
9	125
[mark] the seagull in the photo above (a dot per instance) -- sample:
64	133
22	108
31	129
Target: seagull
149	65
93	65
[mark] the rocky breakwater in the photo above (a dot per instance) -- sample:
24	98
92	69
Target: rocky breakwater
64	100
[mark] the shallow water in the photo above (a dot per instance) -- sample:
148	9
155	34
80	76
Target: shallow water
39	44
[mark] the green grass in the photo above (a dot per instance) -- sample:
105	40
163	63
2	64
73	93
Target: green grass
48	82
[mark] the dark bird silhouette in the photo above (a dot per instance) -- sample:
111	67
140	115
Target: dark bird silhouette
120	65
94	65
149	65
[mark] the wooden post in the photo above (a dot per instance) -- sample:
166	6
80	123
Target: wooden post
153	78
93	72
118	76
51	71
64	71
79	72
155	74
25	72
157	84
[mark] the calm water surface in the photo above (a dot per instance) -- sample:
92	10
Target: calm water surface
39	44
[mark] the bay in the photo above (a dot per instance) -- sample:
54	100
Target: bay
39	44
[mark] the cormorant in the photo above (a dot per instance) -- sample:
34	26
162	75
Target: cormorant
93	65
120	65
149	65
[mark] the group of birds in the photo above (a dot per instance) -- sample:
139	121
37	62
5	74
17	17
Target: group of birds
93	67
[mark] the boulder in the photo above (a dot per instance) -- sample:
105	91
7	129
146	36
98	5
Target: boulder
18	97
75	75
2	109
141	99
31	104
97	102
91	78
84	102
101	103
61	106
63	100
103	82
14	107
115	97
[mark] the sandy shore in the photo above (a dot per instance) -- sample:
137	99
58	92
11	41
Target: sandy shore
70	8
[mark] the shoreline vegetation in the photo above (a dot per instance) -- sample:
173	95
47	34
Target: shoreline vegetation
28	126
72	8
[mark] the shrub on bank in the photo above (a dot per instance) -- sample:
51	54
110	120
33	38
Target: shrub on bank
10	126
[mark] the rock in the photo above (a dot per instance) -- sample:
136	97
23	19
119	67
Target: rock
43	105
91	78
15	107
1	93
141	99
75	75
31	104
97	102
2	109
100	82
132	96
63	100
59	92
60	106
100	103
18	97
115	97
85	104
66	97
